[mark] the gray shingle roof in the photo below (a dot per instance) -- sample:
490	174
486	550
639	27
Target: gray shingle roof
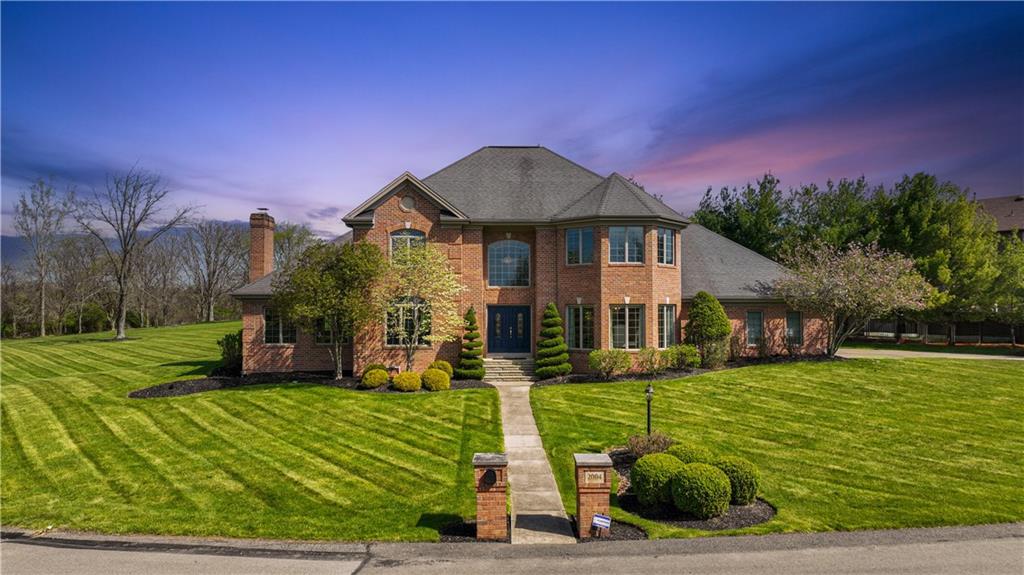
615	197
258	289
725	269
1007	210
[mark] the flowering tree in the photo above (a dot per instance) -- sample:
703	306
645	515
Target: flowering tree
848	287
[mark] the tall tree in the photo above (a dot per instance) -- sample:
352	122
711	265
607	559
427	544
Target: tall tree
39	217
290	241
750	216
840	214
80	275
159	282
420	292
130	209
330	290
1008	287
215	259
15	304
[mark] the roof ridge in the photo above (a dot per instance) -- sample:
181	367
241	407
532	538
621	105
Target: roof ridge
643	196
579	199
607	188
580	166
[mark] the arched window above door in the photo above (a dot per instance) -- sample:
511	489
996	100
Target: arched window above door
508	264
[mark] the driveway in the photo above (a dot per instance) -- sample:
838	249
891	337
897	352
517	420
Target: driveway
861	353
995	549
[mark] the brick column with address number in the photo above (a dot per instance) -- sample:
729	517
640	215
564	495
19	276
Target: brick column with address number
593	489
491	473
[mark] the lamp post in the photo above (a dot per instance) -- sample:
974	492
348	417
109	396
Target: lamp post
650	395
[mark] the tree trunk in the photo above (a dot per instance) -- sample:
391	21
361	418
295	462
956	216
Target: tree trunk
79	319
209	310
951	334
122	315
338	371
409	352
42	307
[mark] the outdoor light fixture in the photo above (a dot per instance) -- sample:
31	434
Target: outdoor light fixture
650	395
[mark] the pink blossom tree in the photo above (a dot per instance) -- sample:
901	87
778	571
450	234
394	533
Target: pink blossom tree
849	287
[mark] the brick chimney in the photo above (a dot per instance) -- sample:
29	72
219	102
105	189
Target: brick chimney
261	245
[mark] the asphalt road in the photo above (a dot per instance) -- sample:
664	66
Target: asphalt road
991	549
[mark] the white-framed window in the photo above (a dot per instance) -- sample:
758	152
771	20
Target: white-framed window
401	322
666	246
794	328
626	244
579	326
755	328
627	325
508	264
579	246
322	334
666	325
407	238
277	329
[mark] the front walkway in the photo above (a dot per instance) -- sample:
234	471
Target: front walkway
538	515
864	353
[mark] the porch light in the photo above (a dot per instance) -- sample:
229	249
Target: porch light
579	300
649	392
625	299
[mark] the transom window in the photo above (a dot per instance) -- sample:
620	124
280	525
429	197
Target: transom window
402	322
666	246
755	328
580	326
407	239
579	246
508	264
794	328
276	328
666	325
627	323
627	244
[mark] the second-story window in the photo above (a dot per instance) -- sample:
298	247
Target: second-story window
626	244
579	246
666	246
407	238
508	264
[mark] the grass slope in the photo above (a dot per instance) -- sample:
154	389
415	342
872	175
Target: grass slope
939	348
844	445
293	461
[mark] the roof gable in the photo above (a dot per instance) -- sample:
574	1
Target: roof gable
364	211
617	197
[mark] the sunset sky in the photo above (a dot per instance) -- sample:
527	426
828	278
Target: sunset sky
308	109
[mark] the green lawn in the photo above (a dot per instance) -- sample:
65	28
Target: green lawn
843	445
973	349
291	461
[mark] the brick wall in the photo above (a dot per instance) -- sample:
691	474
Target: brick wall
774	314
303	355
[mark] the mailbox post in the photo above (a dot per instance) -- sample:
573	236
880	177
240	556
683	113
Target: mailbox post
593	489
491	473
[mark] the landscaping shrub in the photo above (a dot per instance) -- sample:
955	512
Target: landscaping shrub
552	353
436	380
471	363
700	490
642	444
681	356
231	353
708	328
373	378
651	478
443	366
648	360
407	381
374	366
609	362
744	478
690	453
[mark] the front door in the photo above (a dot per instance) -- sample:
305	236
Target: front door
508	329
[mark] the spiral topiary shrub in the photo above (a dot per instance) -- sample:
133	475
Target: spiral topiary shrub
552	353
701	490
471	363
744	478
436	380
407	381
374	366
651	478
373	379
690	453
443	366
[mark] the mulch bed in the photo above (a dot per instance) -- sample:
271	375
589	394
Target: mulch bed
619	532
737	517
465	532
190	386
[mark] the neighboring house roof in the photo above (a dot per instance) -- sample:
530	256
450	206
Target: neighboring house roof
617	197
258	289
725	269
1007	210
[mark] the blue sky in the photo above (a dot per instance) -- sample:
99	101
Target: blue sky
309	108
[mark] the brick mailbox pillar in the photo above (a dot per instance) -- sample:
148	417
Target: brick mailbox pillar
491	473
593	489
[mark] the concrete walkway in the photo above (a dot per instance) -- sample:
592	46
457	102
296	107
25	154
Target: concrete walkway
862	353
538	515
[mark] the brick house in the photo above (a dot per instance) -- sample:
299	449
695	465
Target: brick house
523	226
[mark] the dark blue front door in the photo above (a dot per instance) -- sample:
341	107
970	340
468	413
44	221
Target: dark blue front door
508	329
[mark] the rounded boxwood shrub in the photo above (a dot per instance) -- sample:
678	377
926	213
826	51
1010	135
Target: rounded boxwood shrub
407	381
374	366
651	478
373	378
436	380
690	453
701	490
744	478
552	353
443	366
471	363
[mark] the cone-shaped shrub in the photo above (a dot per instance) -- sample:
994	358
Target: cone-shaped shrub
552	353
471	363
708	328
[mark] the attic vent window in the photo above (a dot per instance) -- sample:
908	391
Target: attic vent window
407	203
